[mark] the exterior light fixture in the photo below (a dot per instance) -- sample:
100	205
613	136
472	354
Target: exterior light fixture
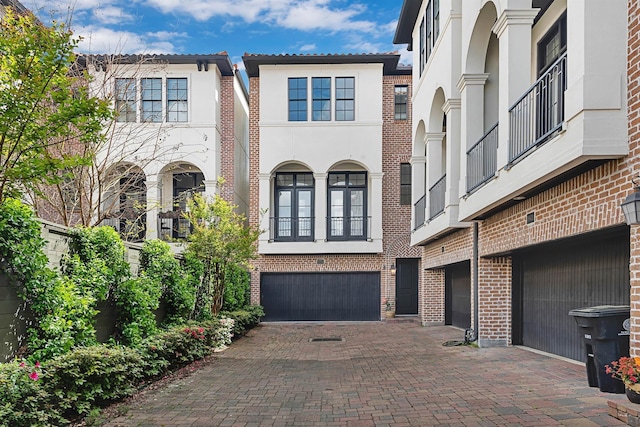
631	206
393	269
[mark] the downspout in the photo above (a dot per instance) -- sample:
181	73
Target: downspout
476	315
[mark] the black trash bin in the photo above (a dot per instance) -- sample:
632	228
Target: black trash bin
605	331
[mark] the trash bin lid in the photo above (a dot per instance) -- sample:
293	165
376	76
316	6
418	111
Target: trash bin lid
601	311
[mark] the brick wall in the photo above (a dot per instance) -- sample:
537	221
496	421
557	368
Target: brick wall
227	136
633	93
254	169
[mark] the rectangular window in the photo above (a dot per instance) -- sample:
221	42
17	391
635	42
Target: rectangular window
345	98
321	95
297	99
428	39
348	206
126	100
151	100
422	51
436	20
405	183
294	207
177	107
400	101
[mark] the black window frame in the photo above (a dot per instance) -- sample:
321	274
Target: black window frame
559	27
294	226
152	97
401	111
346	190
429	32
345	96
178	97
125	95
321	97
297	97
423	59
405	183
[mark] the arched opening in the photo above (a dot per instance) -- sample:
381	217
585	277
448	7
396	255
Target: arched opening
293	203
347	202
178	182
124	204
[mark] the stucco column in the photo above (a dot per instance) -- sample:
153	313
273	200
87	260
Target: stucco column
210	187
264	191
471	87
375	204
513	29
634	279
153	208
320	211
431	304
418	183
452	108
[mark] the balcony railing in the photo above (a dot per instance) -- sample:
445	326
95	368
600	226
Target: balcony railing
173	227
436	197
283	229
348	228
130	228
482	159
420	209
539	113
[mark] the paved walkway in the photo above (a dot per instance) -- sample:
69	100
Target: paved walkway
382	374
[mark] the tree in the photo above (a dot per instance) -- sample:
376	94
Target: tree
47	116
220	238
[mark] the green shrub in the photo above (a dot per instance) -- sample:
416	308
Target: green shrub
245	319
158	263
136	299
23	399
237	287
89	377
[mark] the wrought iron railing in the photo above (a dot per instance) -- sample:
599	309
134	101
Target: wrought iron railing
419	212
173	226
436	197
482	159
130	229
539	113
348	228
291	229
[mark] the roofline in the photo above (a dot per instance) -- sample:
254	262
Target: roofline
221	60
252	62
406	22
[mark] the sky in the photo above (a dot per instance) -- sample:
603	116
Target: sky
234	26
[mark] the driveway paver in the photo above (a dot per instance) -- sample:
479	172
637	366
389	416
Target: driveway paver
381	374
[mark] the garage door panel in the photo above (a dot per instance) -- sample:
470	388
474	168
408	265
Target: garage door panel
458	295
321	296
553	279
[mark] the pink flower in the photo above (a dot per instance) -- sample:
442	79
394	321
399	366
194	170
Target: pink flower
22	364
37	365
34	376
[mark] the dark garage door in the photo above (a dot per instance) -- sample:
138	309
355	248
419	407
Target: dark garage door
457	295
552	279
320	296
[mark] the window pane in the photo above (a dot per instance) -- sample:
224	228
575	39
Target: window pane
357	212
177	100
345	98
337	179
304	213
151	100
304	180
126	100
298	99
400	98
284	180
357	179
337	213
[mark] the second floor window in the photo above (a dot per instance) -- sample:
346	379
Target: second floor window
294	206
345	98
348	206
151	100
321	107
126	100
298	99
177	108
400	101
405	183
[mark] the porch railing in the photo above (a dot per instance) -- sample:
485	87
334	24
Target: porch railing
482	159
539	113
420	209
436	197
291	229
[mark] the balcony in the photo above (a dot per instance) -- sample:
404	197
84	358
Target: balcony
482	159
420	209
348	228
130	225
437	197
539	113
173	227
286	229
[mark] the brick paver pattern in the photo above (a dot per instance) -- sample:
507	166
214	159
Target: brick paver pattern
382	374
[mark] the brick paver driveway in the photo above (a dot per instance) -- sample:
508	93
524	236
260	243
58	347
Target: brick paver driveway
381	374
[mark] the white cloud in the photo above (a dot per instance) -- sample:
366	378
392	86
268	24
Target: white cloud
406	57
104	40
112	15
308	47
168	35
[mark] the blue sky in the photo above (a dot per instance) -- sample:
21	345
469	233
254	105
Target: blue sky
235	26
